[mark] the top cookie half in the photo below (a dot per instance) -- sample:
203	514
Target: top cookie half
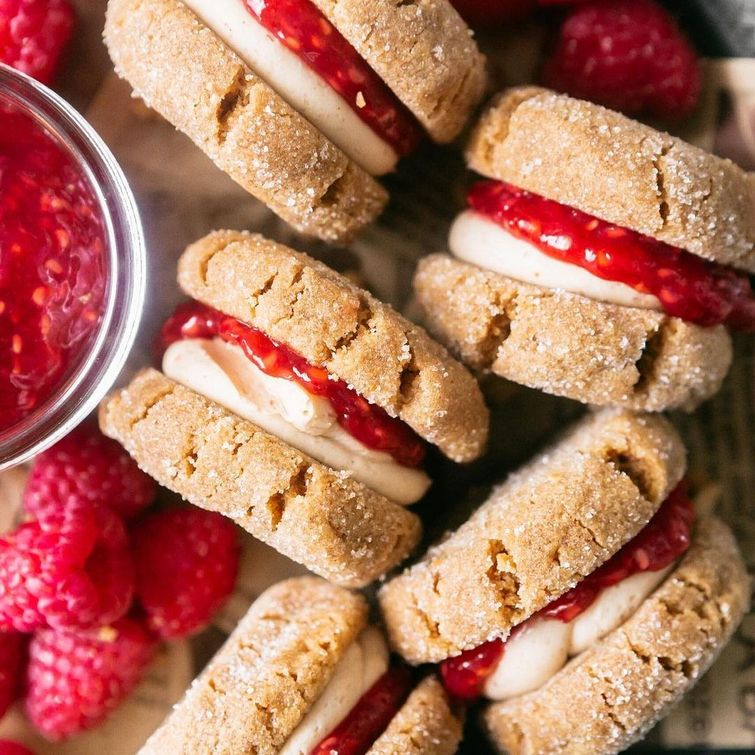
619	170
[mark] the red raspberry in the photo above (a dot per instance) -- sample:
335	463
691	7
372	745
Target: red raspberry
487	12
186	563
13	748
87	467
33	34
75	679
71	571
628	55
12	647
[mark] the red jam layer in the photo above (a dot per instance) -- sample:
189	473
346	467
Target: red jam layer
301	27
663	539
368	423
687	286
52	266
370	717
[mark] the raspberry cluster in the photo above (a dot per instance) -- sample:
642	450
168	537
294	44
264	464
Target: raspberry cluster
92	581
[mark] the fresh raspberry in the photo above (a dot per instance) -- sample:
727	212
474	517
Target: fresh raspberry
490	12
186	563
75	679
87	467
73	570
33	34
12	647
628	55
13	748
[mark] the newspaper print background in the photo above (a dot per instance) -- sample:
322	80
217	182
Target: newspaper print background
183	196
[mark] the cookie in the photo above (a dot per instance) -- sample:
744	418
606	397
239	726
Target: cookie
617	169
612	694
260	684
331	322
547	526
568	345
316	516
270	688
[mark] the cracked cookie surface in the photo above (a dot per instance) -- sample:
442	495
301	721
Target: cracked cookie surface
567	344
611	695
620	170
548	525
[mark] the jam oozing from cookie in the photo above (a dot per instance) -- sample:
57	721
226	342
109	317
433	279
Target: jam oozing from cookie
663	540
52	266
368	423
370	717
686	286
303	29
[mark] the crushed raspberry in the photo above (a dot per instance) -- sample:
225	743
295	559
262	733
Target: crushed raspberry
186	564
33	35
660	542
368	423
687	286
87	467
302	28
12	655
628	55
70	570
52	266
485	13
13	748
369	718
75	679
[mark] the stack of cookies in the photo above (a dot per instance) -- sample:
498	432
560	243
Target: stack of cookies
601	261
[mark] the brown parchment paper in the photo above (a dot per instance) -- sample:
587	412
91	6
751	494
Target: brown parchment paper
182	196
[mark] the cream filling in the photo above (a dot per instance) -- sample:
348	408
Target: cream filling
222	373
542	647
298	84
482	242
363	663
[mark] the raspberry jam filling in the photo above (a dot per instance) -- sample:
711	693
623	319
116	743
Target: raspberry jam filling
369	424
304	30
370	717
687	286
663	540
52	266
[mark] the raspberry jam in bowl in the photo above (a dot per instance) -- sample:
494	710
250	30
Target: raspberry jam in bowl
72	268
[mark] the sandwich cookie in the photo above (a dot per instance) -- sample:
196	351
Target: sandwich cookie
641	623
639	665
538	535
302	102
603	262
295	403
304	673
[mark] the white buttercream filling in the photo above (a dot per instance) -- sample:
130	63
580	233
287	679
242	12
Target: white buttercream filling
296	83
482	242
363	663
221	372
542	647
